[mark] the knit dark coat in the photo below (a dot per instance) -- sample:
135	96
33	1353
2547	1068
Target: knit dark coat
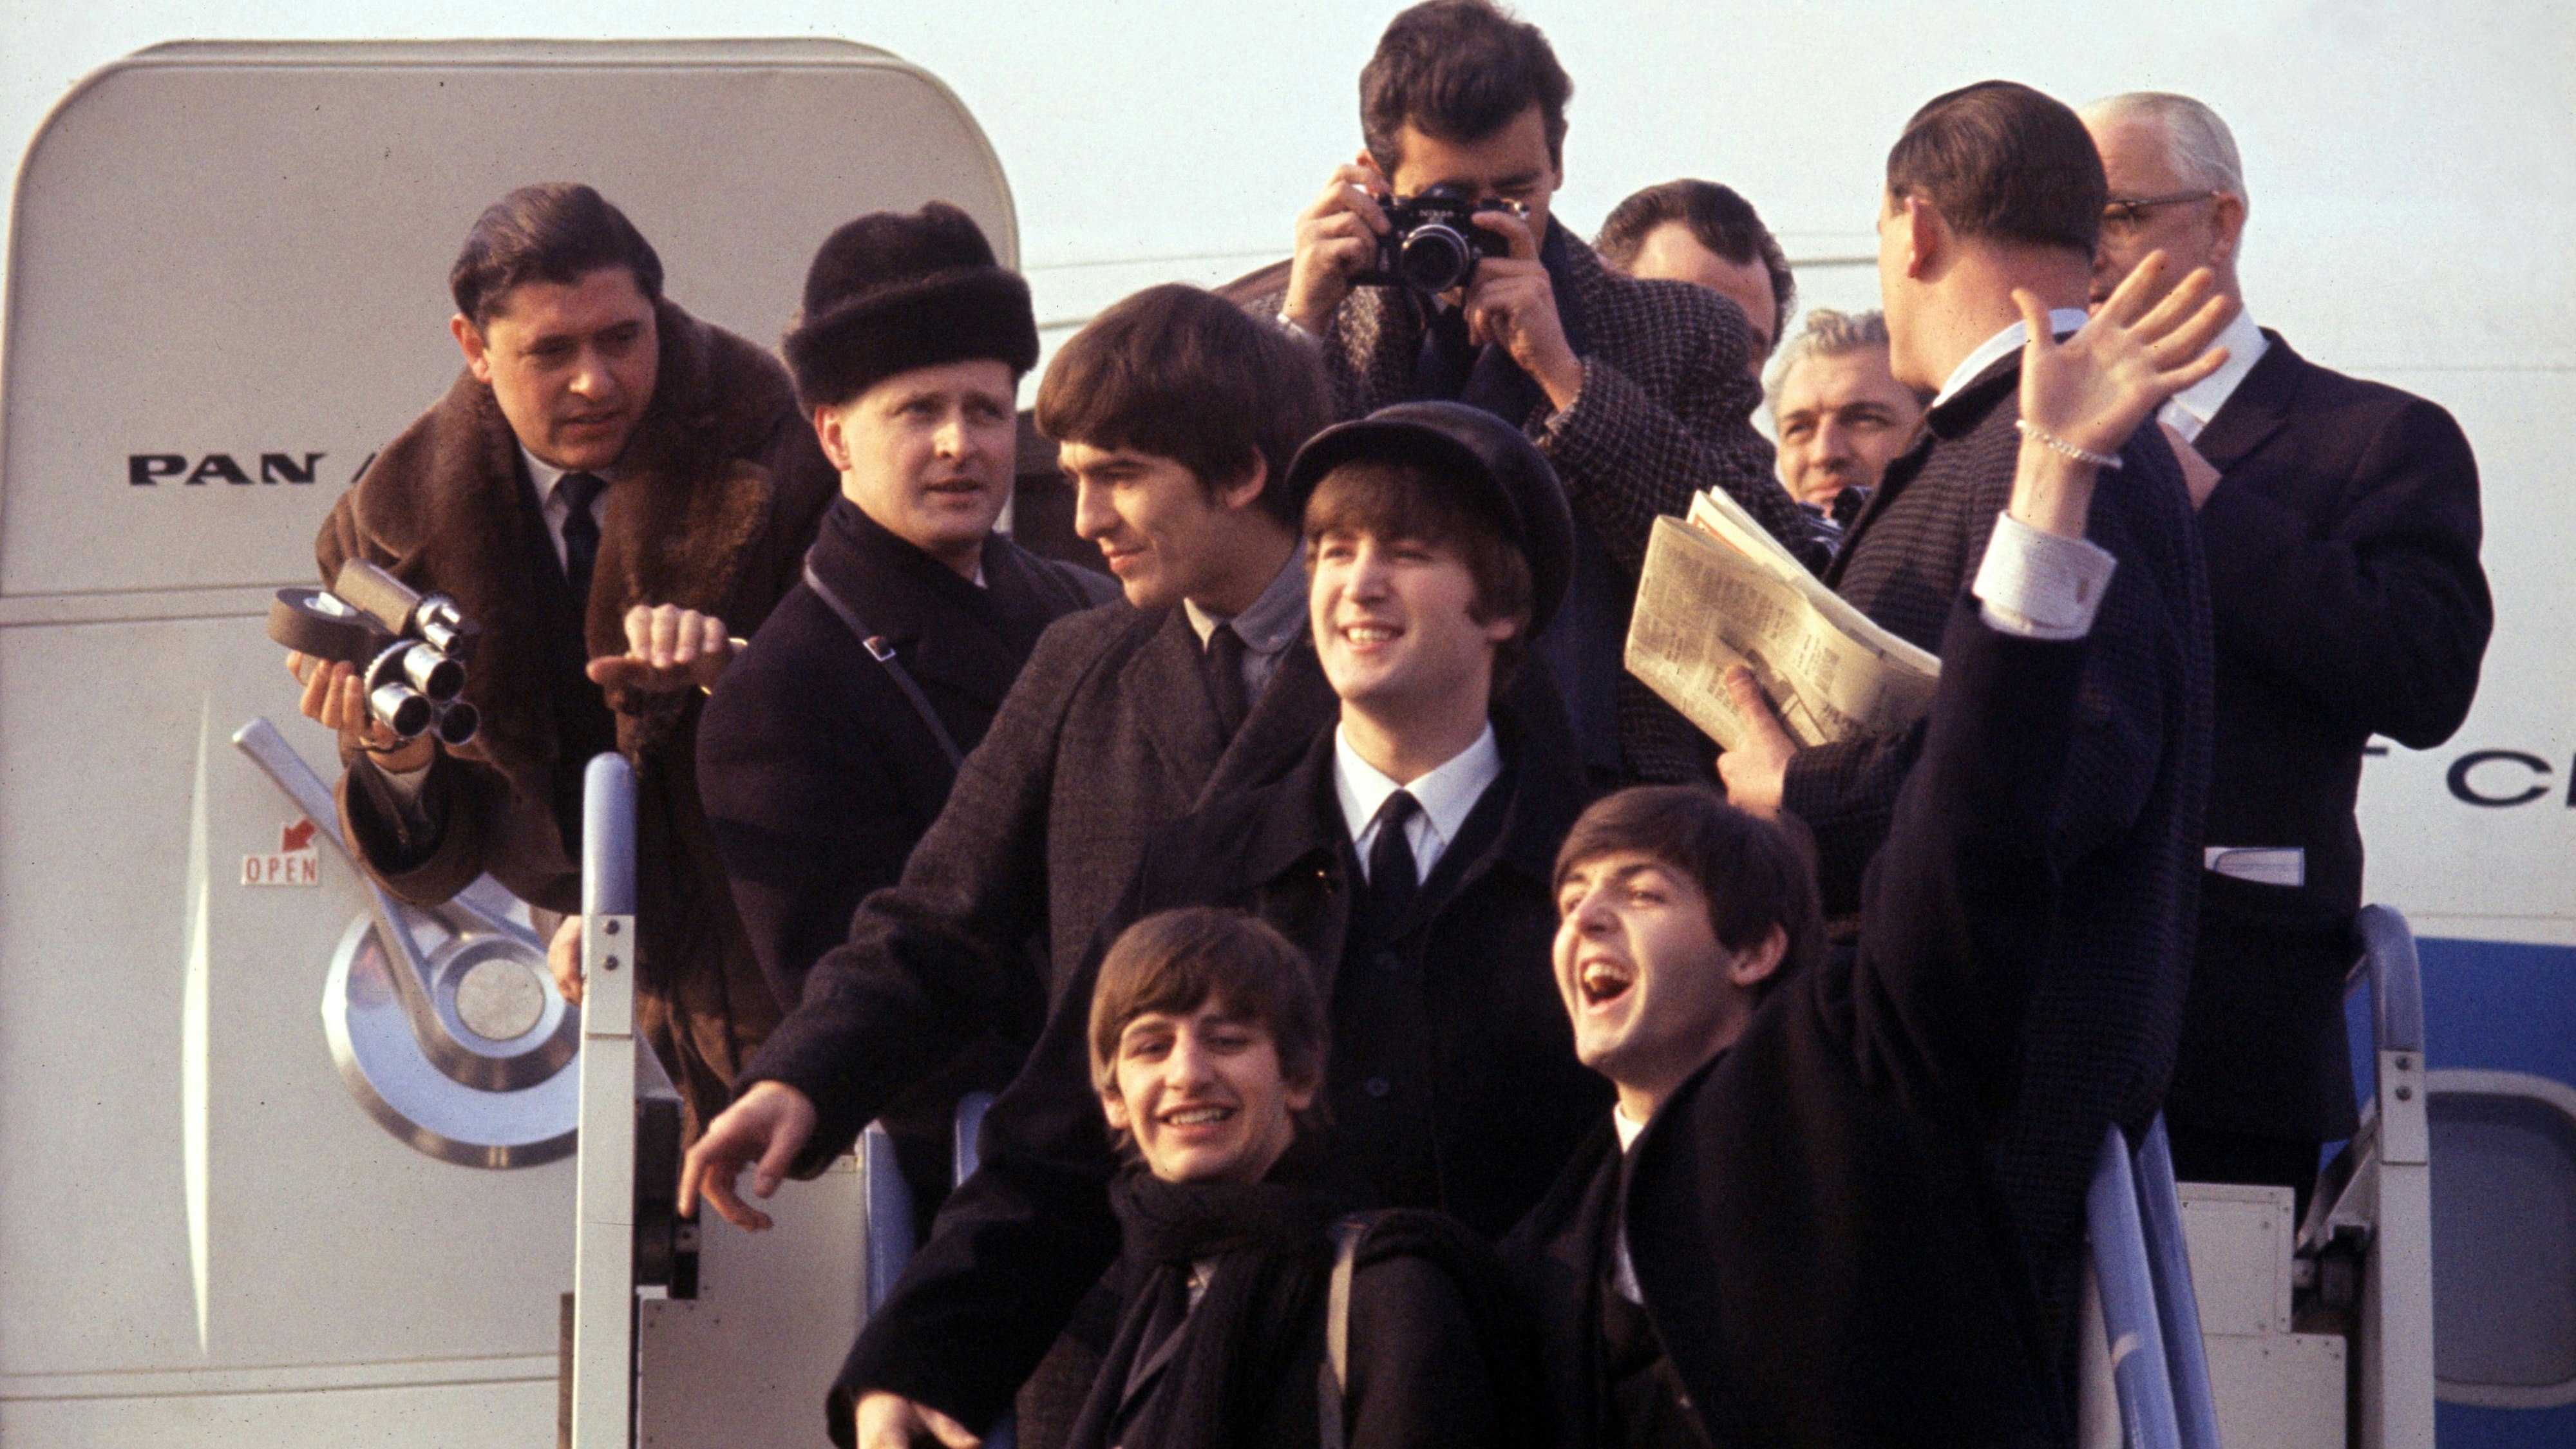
2347	600
716	498
1451	1078
1107	735
2098	1041
1665	410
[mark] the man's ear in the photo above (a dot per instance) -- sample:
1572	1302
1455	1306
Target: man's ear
1926	236
1758	962
469	338
1114	1107
1505	626
828	432
1301	1095
1245	491
2227	219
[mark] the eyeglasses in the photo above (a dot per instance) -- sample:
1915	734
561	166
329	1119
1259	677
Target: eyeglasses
2130	210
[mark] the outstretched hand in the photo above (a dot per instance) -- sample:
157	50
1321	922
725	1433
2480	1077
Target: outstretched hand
2096	387
763	1131
667	648
2093	390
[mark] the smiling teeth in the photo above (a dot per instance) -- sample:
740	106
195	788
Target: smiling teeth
1198	1117
1368	634
1602	981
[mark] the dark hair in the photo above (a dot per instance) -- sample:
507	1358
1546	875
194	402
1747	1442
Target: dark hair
1460	70
1394	498
1717	219
1757	873
557	231
1178	961
1182	373
2002	161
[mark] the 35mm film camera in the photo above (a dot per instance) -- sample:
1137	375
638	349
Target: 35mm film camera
411	649
1431	245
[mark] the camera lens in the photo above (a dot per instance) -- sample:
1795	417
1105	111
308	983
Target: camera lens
433	673
400	708
457	722
1435	259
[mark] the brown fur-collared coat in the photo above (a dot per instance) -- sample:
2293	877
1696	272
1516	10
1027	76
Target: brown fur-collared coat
715	501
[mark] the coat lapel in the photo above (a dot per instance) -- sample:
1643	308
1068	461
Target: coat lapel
1297	703
1163	685
2256	410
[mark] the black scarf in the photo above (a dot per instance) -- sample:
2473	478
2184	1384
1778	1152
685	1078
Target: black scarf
1213	1376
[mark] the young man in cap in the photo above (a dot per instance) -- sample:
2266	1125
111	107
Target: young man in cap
1791	1230
610	489
1407	853
831	743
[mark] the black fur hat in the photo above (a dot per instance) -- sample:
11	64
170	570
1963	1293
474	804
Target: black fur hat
890	292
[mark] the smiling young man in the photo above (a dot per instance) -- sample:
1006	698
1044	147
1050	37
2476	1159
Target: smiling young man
1791	1231
1406	853
830	744
1177	416
609	489
1207	1051
1639	393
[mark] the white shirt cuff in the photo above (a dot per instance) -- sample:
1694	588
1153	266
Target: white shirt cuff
2039	585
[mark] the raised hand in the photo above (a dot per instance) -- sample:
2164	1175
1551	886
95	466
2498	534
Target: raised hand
1512	301
2096	387
667	647
1336	240
2082	398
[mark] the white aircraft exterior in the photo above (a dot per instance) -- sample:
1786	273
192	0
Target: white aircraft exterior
238	254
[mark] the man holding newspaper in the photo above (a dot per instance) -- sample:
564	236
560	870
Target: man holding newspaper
1992	189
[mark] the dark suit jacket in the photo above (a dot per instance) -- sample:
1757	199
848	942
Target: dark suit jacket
1666	409
1107	736
2098	1040
1815	1223
2347	601
715	501
1472	1111
817	772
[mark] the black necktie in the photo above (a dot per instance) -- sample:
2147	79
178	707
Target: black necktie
1224	664
580	533
1394	880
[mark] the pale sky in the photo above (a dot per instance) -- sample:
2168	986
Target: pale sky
2381	135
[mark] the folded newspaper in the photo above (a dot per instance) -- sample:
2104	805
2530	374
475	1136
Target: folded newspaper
1719	591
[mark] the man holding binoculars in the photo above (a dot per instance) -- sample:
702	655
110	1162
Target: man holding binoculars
611	491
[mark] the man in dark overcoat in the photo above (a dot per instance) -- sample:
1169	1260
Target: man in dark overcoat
2340	520
609	489
1640	393
1790	1231
1406	854
1176	416
830	743
1996	188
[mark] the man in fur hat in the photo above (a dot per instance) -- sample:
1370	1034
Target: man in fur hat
610	489
831	743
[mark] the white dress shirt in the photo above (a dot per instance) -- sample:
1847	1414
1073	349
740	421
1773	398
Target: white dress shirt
2190	410
554	505
1446	795
1623	1272
2062	321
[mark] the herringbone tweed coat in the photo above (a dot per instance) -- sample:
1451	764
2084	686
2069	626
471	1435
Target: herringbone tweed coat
2105	1013
1666	409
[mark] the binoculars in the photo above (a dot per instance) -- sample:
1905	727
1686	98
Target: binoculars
411	649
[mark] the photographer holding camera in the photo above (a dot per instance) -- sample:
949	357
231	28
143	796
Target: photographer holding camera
610	490
1640	393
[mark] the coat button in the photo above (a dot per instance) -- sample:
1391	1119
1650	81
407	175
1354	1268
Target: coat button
1377	1086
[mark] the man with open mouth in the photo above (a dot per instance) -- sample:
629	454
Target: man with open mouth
1791	1229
